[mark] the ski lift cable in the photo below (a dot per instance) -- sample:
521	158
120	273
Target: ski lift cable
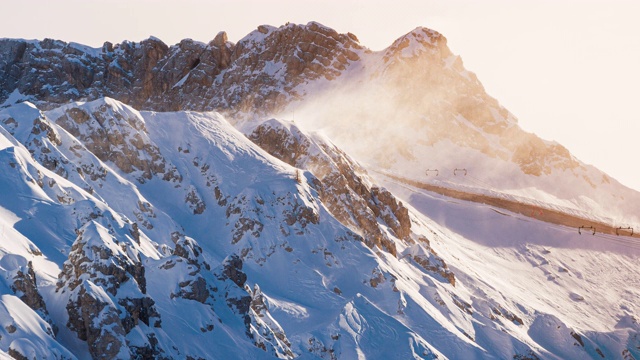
463	173
623	241
553	226
449	177
619	240
482	182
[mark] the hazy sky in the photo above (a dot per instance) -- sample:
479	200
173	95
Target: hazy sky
568	69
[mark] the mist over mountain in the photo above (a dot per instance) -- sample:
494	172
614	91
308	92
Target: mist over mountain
296	195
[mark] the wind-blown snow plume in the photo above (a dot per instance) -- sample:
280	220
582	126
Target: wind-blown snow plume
129	232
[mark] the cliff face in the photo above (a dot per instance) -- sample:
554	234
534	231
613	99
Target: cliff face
416	81
259	72
132	191
194	235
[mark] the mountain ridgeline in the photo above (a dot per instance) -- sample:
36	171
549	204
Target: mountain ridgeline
224	201
433	112
259	72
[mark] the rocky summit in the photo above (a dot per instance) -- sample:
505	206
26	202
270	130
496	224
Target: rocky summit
260	71
296	195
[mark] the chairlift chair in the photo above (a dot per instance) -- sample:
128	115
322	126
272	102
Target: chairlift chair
587	227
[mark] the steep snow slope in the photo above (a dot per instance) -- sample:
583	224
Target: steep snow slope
409	108
172	235
176	235
577	292
569	305
413	109
222	190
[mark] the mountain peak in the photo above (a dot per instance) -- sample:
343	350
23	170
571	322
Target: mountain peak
220	39
416	42
378	224
312	32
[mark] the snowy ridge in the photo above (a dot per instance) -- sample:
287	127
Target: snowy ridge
413	107
431	111
102	235
254	256
132	233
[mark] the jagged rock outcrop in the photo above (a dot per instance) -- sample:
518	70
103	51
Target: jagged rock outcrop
94	318
23	283
249	304
35	131
25	287
417	80
343	185
118	135
195	286
99	266
429	260
223	290
174	236
270	62
348	193
419	83
259	72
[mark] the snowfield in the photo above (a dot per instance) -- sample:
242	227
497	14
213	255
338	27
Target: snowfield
187	239
225	231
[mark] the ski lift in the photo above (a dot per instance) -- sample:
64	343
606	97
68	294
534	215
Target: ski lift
432	171
456	170
587	227
627	228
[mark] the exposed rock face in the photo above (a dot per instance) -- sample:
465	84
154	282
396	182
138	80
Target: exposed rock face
38	135
430	261
245	211
343	185
267	65
106	266
225	287
262	74
347	192
195	287
249	304
453	106
319	349
117	135
232	270
99	313
96	321
133	282
417	79
25	286
282	58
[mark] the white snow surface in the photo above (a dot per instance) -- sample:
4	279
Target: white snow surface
380	115
522	287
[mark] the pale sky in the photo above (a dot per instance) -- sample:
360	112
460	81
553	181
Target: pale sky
568	69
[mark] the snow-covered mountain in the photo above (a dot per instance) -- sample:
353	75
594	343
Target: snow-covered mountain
413	106
222	230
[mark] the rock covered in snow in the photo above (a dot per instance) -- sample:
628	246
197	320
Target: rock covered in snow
173	235
189	75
